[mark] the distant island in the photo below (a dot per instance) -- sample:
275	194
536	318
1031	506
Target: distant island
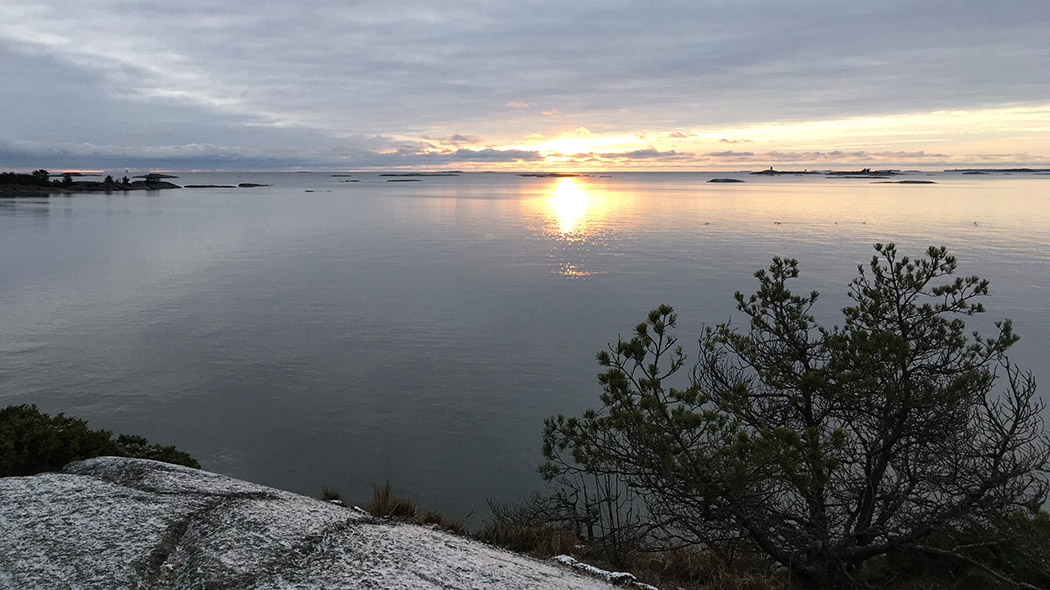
154	176
424	174
865	173
1002	170
772	172
39	183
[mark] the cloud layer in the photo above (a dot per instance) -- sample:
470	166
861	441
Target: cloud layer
349	82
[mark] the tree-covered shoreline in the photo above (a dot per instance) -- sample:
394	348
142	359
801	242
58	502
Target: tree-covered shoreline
40	183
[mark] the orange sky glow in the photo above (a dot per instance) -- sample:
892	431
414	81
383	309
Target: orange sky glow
1010	135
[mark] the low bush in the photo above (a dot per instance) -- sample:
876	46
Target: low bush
140	448
34	442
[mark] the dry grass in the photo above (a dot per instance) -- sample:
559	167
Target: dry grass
333	496
385	503
725	580
541	540
435	519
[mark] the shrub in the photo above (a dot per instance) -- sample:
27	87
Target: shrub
33	442
140	448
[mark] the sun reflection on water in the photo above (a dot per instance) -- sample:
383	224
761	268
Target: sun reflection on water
571	213
568	202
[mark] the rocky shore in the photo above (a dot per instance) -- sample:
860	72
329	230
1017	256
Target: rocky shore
132	523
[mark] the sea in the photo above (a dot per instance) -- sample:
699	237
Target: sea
342	330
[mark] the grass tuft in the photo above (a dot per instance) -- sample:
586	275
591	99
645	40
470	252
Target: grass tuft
387	504
332	496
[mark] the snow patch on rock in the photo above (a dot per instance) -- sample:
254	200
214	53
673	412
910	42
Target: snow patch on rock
616	578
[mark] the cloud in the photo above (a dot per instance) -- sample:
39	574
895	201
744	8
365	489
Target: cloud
583	132
270	76
408	157
459	139
26	154
493	155
907	155
1009	157
724	140
643	154
729	154
822	156
23	154
650	154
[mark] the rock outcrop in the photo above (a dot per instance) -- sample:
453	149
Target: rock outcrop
132	523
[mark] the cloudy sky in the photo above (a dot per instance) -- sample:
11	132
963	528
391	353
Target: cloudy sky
493	84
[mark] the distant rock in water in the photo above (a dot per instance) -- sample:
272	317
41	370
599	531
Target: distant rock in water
905	182
403	180
725	180
865	173
456	173
1002	170
241	185
152	177
111	522
772	172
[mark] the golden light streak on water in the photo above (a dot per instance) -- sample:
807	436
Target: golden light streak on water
568	202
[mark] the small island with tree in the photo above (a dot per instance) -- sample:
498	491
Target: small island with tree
39	183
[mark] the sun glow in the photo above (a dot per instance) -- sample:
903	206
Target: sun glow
923	139
575	144
882	131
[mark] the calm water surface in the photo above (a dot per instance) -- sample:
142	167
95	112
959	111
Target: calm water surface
327	333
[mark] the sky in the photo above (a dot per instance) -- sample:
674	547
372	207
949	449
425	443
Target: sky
524	85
